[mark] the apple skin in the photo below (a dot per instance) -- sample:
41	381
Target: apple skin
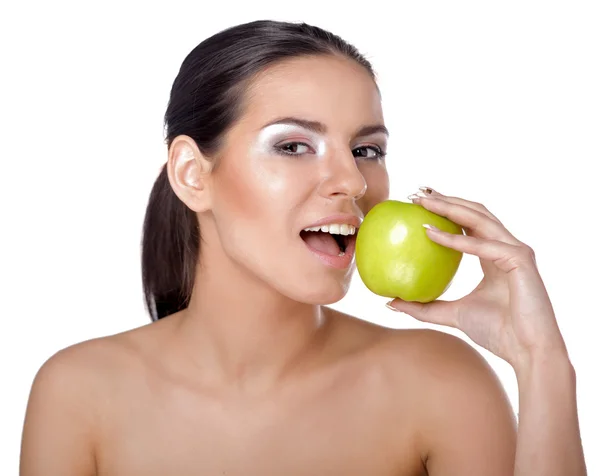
395	258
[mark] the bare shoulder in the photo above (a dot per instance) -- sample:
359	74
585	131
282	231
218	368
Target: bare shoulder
436	353
442	364
64	411
84	374
423	350
444	389
457	404
449	370
90	361
76	377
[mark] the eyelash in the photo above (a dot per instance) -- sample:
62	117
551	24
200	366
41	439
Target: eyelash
380	154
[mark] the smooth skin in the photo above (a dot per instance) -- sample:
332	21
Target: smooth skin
259	377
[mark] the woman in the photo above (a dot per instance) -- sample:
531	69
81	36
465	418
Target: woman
273	129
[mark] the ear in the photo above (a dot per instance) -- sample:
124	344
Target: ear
189	172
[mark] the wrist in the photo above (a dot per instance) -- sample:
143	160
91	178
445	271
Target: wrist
553	363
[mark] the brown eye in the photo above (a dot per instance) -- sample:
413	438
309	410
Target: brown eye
293	148
368	152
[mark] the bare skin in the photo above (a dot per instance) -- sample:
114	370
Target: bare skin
364	400
258	377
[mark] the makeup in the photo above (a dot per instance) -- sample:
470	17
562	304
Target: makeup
275	135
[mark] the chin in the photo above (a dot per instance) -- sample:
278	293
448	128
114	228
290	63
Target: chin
302	280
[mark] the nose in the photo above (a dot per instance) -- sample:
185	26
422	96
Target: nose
342	177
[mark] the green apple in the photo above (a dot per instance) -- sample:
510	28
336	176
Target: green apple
396	258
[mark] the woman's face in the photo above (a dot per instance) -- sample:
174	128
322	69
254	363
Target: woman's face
306	152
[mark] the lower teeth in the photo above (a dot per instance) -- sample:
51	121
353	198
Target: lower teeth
342	253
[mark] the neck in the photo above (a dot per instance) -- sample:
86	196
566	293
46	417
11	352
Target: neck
242	332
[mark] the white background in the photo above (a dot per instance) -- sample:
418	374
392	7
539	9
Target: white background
497	102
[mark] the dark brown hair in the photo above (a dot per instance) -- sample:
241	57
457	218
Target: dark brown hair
204	102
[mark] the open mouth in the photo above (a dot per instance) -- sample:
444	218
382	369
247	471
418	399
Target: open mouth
332	240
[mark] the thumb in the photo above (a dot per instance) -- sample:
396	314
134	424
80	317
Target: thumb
436	312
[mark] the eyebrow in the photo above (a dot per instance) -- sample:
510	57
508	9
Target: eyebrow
320	128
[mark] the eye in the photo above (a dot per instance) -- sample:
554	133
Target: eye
370	152
293	148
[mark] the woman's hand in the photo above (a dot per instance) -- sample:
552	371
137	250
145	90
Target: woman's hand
509	312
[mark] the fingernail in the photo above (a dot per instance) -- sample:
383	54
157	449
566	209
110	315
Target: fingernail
431	227
389	306
416	196
427	190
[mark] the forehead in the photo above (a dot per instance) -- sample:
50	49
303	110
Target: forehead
336	91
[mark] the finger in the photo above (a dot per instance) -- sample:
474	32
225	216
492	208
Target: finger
461	201
504	255
439	312
478	223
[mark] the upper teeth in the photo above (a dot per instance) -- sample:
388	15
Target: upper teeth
334	229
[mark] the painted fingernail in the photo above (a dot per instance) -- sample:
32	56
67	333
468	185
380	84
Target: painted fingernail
431	227
389	306
418	195
427	190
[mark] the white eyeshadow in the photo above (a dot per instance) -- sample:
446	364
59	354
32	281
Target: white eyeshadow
275	133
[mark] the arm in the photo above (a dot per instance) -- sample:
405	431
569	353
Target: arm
548	442
57	433
510	314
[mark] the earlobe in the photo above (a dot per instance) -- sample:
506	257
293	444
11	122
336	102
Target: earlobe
188	172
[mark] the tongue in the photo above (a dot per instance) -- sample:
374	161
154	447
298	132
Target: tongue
321	241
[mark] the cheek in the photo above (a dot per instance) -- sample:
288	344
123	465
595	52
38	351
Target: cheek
254	187
378	186
254	203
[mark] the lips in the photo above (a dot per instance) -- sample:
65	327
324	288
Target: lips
332	239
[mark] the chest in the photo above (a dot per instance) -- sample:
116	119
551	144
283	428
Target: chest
340	431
